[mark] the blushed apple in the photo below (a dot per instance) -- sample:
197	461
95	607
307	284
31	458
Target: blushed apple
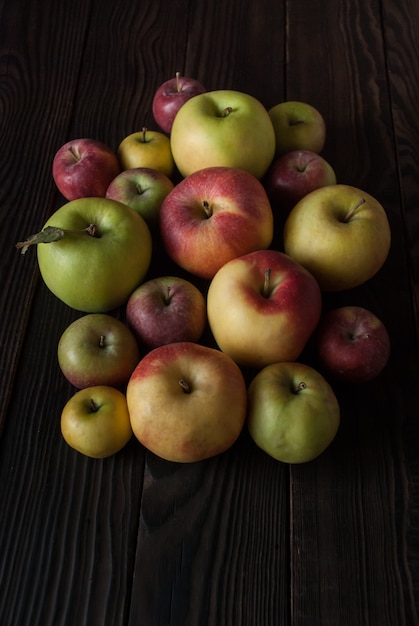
170	96
84	167
187	402
146	148
213	216
143	189
293	412
349	235
95	421
353	344
295	174
97	349
262	308
167	309
223	128
298	126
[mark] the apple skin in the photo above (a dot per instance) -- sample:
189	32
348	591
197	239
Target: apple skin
295	174
187	402
97	349
95	274
349	235
95	421
147	148
353	344
223	128
170	96
298	126
142	189
257	323
213	216
165	310
293	413
83	168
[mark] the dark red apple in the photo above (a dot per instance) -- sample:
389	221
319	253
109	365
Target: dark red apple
170	96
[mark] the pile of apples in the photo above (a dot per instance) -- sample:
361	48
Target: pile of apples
217	186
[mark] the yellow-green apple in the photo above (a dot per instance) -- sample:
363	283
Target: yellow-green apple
142	189
263	307
147	148
340	233
99	252
353	344
167	309
95	421
213	216
187	402
293	175
84	167
293	412
298	126
97	349
170	96
223	128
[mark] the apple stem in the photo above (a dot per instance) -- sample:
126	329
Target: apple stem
207	208
301	385
52	233
178	88
144	131
102	341
94	406
167	296
226	112
267	283
354	209
184	385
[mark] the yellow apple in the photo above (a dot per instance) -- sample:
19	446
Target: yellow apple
147	148
340	233
298	126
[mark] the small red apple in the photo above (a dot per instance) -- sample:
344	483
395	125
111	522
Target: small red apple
353	344
170	96
84	168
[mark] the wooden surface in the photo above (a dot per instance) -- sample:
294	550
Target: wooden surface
239	540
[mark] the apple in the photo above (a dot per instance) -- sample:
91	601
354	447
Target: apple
170	96
147	148
97	349
167	309
213	216
262	308
223	128
293	412
297	126
187	402
340	233
84	167
99	251
353	344
143	189
95	421
295	174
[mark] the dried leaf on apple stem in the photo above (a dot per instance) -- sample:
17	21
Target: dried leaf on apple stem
47	235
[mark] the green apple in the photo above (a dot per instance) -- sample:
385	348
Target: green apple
340	233
293	413
298	126
95	421
103	253
223	128
97	349
146	148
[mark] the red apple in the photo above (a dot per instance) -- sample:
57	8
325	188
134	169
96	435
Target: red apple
213	216
167	309
353	344
97	349
187	402
294	175
84	168
170	96
143	189
263	307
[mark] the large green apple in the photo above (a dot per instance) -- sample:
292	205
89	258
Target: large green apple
223	128
293	413
103	255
